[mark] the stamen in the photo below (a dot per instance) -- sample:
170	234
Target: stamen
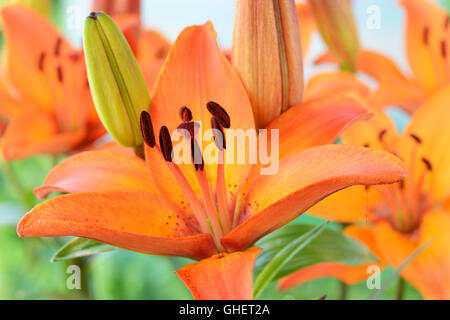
219	136
220	114
186	114
189	127
427	164
60	74
197	157
147	129
416	138
165	142
57	50
221	194
41	63
444	49
425	35
447	22
367	145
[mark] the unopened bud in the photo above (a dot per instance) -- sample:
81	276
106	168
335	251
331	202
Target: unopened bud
118	87
337	26
267	53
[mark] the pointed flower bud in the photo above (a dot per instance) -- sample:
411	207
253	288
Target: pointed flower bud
337	26
267	54
118	87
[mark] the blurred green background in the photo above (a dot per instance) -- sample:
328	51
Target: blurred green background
27	273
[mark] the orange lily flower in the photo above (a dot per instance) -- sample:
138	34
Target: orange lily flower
402	217
427	41
212	213
44	97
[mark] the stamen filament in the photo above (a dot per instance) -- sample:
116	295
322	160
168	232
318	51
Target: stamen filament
210	208
222	194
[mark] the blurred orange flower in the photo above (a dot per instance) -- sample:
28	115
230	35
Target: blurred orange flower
427	47
403	217
44	93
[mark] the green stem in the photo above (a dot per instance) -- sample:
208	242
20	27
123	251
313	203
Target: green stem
400	289
344	291
15	183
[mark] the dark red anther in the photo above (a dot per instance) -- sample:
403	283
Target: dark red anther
427	164
186	114
444	49
188	129
197	156
57	51
41	62
165	142
425	35
147	129
382	134
416	138
219	135
220	114
60	75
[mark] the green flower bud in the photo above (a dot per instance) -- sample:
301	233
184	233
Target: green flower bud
118	87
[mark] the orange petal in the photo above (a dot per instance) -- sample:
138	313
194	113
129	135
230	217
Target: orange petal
316	122
427	40
196	72
346	206
98	171
346	273
137	221
28	36
395	89
152	46
430	124
307	25
36	133
428	272
338	83
222	277
378	132
303	180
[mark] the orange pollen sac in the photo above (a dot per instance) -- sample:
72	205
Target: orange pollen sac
211	210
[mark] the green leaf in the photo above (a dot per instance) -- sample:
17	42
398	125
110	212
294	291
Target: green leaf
80	247
329	246
283	256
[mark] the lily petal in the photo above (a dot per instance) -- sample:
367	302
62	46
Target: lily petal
316	122
337	83
195	73
137	221
303	180
222	277
36	133
427	37
428	272
430	125
29	37
98	171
